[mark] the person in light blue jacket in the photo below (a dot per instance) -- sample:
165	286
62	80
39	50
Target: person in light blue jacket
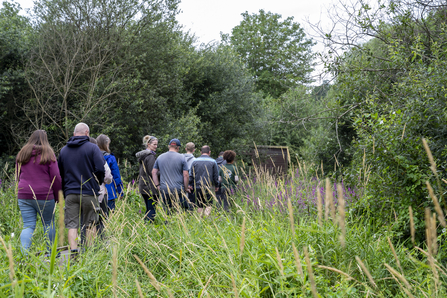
114	189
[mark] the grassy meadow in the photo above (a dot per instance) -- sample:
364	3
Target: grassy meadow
297	236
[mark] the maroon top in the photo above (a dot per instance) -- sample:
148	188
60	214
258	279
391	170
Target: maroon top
37	181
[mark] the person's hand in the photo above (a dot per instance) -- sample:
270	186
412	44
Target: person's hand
158	187
189	189
217	189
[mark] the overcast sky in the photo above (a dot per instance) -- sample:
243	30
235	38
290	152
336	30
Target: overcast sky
207	18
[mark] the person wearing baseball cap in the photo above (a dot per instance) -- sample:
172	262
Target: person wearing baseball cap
174	176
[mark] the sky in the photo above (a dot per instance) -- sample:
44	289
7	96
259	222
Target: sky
207	18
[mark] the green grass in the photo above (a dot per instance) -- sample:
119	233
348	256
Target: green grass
192	256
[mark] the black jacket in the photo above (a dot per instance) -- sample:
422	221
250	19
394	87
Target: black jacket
146	160
81	165
204	172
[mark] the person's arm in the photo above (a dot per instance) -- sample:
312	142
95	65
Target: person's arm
55	178
155	178
61	170
216	176
108	176
98	165
186	180
116	175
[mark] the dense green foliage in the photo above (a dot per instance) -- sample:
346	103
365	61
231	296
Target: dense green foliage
276	50
127	71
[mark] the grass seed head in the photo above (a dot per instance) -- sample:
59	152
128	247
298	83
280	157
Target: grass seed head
154	281
412	230
341	215
242	243
320	207
298	265
278	257
436	203
235	291
366	271
313	286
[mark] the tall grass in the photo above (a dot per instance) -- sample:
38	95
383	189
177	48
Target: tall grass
270	244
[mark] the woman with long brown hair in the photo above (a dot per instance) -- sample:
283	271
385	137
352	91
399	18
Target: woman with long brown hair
114	189
39	184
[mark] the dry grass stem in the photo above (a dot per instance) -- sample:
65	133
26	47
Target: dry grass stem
313	287
11	264
154	281
114	269
366	271
61	219
327	205
412	230
330	198
292	225
436	203
298	265
398	275
242	244
278	258
140	292
236	293
395	255
206	285
349	277
341	215
430	157
320	207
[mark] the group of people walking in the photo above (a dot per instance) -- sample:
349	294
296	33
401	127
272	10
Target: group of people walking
88	175
181	181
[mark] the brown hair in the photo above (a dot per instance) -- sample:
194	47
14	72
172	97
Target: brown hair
103	142
206	149
190	147
93	140
229	155
37	141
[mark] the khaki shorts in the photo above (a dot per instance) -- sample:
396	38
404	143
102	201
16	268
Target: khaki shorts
77	207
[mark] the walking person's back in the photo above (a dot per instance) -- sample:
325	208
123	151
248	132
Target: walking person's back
203	177
81	165
173	175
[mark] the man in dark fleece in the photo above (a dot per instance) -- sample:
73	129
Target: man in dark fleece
203	176
81	165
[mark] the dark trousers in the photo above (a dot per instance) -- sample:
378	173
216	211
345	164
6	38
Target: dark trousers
203	198
111	204
174	199
151	203
222	199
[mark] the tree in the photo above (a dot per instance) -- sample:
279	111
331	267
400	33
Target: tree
14	35
81	61
276	51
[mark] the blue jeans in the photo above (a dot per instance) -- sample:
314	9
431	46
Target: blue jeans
29	210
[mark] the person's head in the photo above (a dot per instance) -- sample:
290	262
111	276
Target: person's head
150	142
93	140
38	141
174	145
221	153
81	129
206	150
190	147
103	142
229	156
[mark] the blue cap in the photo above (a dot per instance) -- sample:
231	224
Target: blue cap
175	142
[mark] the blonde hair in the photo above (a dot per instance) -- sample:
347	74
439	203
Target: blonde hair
148	139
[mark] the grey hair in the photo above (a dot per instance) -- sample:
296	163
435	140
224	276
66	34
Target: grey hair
81	128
